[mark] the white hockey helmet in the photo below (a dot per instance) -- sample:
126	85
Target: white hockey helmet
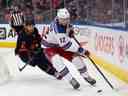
63	13
63	16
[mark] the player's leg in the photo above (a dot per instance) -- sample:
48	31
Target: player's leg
80	65
44	64
49	70
41	61
60	66
63	70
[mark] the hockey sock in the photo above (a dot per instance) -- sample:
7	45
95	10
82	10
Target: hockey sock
77	61
61	68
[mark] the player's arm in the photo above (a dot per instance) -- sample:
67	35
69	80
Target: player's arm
18	45
21	45
36	44
38	36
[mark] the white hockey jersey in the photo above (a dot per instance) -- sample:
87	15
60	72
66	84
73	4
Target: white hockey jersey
57	36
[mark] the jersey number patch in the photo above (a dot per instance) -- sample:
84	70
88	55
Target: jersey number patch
62	40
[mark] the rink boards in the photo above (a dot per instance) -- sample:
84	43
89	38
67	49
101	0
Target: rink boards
109	47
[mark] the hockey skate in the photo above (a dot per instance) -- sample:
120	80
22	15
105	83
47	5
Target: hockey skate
58	76
75	84
90	80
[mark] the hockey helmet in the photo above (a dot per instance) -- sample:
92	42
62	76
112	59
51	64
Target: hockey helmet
63	16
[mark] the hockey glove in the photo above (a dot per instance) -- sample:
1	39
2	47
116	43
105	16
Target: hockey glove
71	33
74	31
82	51
87	53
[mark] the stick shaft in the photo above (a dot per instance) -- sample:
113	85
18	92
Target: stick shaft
98	69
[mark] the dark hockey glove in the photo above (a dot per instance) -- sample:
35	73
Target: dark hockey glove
31	62
87	53
71	33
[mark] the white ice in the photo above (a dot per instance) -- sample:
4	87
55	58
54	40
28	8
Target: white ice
33	82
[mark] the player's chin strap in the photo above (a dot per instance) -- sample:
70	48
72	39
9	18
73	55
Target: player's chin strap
98	69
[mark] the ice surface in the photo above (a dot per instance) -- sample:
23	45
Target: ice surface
34	82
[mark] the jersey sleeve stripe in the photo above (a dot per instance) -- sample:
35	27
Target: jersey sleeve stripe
66	46
54	27
46	44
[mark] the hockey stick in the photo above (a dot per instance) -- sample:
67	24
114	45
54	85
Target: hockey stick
100	72
21	69
98	69
27	63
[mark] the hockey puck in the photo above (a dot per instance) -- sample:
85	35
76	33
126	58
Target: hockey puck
99	91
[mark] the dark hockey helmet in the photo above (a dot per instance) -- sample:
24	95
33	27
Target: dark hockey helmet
29	27
29	22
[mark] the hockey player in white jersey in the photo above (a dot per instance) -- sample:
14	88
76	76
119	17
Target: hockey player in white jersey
58	42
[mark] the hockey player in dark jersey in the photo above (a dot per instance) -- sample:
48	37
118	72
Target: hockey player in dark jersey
29	50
